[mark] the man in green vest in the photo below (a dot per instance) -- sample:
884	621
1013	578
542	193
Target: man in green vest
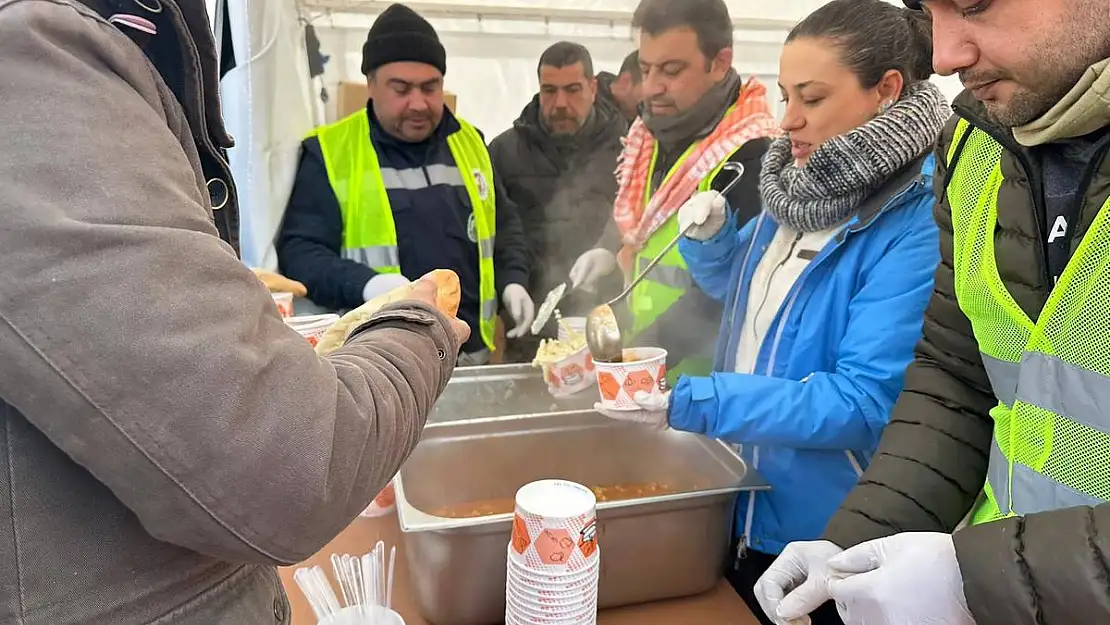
403	187
986	502
698	114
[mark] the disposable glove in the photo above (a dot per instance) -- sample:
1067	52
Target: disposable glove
381	284
704	214
653	410
521	308
795	584
906	578
590	268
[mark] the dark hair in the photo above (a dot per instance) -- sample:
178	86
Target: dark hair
874	36
631	66
565	54
708	19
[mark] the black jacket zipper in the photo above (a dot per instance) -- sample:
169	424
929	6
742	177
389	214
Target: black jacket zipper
771	278
1036	193
1036	189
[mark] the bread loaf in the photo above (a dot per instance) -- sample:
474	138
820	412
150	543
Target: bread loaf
448	296
278	283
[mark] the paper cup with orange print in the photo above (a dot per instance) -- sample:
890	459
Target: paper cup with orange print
284	303
312	327
644	370
384	503
570	375
554	528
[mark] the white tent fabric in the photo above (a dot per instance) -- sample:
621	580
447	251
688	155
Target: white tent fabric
268	104
491	59
492	49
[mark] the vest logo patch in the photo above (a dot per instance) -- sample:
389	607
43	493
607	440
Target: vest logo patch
482	184
1059	229
472	228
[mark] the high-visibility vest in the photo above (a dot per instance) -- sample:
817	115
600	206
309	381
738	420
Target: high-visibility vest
670	279
1051	377
369	233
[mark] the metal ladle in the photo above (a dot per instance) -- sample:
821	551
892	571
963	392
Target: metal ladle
603	333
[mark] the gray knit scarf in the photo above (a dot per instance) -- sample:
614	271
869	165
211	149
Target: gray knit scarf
844	170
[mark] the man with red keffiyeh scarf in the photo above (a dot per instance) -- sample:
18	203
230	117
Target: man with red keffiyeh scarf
698	115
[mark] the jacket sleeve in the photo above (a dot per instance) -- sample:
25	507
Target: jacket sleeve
932	460
136	341
841	409
711	262
502	151
1045	568
311	235
512	262
744	198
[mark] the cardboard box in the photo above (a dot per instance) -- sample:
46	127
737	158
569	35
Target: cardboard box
352	96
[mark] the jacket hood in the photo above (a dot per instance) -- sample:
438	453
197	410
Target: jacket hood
606	120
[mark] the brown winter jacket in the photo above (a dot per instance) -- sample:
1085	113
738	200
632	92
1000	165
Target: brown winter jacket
165	439
1047	568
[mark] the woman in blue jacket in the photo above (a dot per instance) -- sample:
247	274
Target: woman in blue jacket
825	291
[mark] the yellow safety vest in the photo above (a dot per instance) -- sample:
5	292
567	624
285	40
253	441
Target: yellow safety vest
369	233
670	279
1051	377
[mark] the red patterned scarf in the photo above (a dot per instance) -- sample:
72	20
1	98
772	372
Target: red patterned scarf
749	118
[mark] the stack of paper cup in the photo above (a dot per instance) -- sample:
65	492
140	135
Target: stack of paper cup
284	303
554	562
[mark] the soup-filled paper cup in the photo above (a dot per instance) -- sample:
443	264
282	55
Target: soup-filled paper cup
284	303
644	370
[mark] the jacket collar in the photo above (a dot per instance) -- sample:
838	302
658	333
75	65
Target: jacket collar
605	123
876	203
448	125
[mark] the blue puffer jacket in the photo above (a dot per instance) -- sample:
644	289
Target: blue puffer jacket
832	364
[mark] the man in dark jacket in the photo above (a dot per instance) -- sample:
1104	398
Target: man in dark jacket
166	440
556	164
1004	417
691	93
401	188
623	90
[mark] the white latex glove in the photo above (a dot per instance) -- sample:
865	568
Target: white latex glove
521	308
906	578
795	584
382	283
653	410
705	212
590	268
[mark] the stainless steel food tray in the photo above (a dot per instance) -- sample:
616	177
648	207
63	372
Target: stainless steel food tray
502	390
652	548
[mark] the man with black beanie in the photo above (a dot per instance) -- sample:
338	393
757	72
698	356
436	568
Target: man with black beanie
403	187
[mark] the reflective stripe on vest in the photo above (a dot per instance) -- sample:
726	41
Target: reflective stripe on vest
671	278
369	232
1052	377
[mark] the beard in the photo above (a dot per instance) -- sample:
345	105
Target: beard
1052	70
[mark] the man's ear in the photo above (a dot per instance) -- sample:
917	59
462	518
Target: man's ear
721	63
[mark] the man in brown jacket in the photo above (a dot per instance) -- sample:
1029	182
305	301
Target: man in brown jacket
165	440
1005	416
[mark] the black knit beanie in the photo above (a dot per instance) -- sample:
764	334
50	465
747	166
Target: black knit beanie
400	34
